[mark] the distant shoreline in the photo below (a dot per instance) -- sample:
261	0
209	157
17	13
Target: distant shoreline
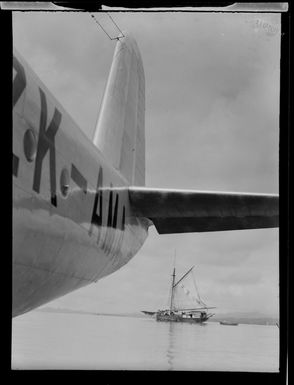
241	319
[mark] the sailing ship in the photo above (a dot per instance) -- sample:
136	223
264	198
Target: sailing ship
185	302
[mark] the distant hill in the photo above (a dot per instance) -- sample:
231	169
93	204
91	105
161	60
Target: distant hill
241	318
73	311
246	318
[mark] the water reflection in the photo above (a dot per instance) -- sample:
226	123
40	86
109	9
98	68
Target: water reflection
171	344
175	332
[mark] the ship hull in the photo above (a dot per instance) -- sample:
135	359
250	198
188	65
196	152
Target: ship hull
179	318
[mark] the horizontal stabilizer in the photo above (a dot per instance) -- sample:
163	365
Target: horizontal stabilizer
184	211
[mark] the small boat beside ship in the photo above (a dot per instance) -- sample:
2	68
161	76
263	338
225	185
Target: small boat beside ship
185	302
151	313
229	323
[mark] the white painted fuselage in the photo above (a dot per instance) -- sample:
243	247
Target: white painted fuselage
67	232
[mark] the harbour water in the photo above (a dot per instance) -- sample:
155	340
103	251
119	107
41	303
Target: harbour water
45	340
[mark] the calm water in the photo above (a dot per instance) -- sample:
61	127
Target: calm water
43	340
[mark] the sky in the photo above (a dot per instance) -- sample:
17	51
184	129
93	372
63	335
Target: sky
212	123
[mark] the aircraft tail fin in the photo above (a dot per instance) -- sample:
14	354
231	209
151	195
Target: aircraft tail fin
120	130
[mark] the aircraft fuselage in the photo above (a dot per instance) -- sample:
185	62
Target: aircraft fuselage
69	227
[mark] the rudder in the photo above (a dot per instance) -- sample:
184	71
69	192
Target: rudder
120	130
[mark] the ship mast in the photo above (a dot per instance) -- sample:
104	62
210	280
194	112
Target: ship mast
184	276
172	289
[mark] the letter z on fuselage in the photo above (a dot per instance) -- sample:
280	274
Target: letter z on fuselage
80	208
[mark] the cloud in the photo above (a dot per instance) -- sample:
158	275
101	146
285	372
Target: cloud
246	276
